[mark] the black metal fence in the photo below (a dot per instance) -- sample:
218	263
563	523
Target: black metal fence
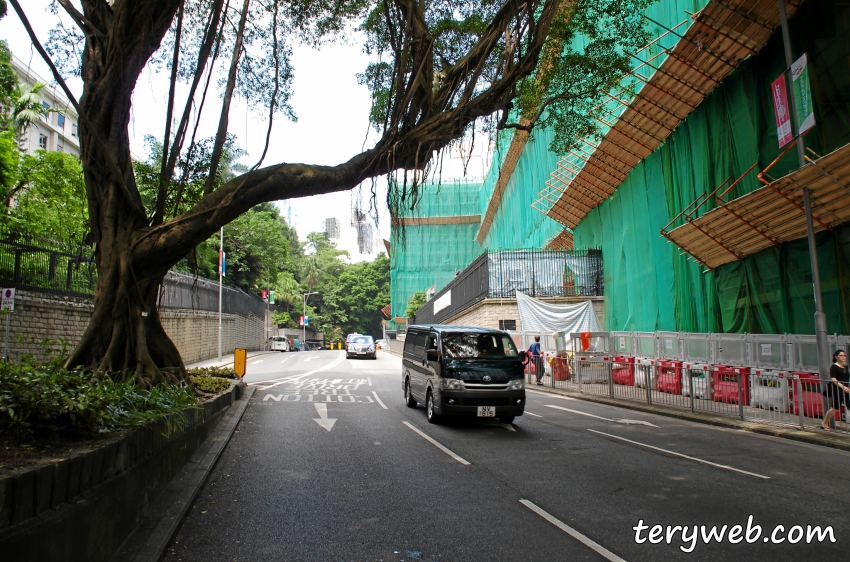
42	265
183	290
39	264
500	274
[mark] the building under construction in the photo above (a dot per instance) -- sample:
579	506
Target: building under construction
697	208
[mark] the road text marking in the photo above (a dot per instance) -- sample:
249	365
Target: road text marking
614	420
572	532
278	382
378	400
675	454
322	410
438	445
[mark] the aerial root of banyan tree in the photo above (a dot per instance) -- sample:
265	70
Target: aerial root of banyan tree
125	338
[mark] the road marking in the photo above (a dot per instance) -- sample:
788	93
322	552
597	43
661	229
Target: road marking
257	361
535	415
439	446
723	466
549	394
278	382
572	532
370	380
614	420
312	357
379	400
287	359
322	410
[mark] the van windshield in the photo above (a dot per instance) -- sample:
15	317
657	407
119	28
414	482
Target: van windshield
460	345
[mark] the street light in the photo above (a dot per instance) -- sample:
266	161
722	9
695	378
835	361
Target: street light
304	325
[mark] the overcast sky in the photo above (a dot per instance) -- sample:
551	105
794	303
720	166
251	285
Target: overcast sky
332	124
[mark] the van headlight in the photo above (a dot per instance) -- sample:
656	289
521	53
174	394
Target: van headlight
517	384
451	384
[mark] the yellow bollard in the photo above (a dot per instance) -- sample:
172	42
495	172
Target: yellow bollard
240	360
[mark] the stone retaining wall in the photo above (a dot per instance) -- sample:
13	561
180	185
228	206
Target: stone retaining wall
83	508
44	324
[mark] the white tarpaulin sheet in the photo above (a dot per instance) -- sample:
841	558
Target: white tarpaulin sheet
539	316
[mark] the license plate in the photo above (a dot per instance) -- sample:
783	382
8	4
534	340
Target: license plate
486	411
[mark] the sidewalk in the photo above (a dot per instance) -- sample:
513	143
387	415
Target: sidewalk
226	360
832	439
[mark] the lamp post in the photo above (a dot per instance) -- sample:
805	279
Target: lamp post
304	325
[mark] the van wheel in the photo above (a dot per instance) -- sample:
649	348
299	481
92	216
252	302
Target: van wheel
408	397
433	417
506	419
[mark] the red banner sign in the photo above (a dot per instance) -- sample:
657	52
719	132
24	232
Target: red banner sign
780	110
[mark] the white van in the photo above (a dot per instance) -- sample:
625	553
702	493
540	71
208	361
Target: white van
278	343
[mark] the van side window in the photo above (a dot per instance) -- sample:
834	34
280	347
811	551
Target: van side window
430	344
410	342
419	346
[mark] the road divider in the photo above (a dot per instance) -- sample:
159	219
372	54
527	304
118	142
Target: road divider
675	454
601	550
438	445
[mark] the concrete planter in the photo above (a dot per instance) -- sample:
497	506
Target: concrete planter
84	507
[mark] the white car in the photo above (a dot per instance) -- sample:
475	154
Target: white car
357	345
278	343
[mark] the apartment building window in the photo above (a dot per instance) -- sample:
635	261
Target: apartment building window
507	324
73	129
42	141
60	120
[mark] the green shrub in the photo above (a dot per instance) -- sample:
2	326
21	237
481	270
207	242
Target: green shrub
210	384
46	396
226	372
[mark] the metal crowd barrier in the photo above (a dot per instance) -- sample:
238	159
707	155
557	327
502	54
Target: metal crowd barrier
767	378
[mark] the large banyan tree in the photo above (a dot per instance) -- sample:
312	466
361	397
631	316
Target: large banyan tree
441	68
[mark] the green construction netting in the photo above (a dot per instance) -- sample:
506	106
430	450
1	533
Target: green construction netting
518	225
650	284
431	254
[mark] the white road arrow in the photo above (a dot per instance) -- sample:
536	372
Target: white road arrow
322	410
312	357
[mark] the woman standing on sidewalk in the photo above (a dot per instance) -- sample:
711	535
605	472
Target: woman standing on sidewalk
838	388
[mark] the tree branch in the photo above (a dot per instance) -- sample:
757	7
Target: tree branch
82	21
203	56
162	191
221	134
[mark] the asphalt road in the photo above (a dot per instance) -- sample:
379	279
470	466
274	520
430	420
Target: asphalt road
328	464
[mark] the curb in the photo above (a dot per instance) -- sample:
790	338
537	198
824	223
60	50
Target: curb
163	518
814	438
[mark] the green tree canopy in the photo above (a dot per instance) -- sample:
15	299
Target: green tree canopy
414	303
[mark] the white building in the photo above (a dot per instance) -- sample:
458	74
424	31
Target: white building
54	131
287	212
332	228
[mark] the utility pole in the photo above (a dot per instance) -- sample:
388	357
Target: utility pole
304	324
221	266
821	337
